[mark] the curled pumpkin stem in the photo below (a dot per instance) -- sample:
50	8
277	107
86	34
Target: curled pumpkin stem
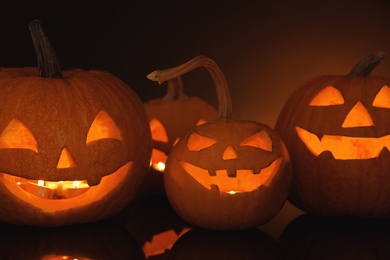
48	64
368	64
224	100
175	90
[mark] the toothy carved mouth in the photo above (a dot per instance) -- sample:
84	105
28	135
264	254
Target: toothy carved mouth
244	181
344	147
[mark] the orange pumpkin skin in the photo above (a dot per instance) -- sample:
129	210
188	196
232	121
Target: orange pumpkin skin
227	174
211	206
169	118
59	114
354	180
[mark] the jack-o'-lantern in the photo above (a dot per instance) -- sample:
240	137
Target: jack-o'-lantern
336	130
74	145
169	118
227	173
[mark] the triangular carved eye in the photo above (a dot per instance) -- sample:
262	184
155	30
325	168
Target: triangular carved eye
260	140
17	135
382	99
158	131
103	127
197	142
328	96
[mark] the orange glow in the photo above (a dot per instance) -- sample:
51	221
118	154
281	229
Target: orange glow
158	131
103	126
66	160
260	140
68	200
358	116
158	160
328	96
197	142
245	181
229	153
162	242
382	99
344	147
53	190
17	135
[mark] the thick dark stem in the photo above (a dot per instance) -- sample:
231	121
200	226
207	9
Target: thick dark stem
175	90
48	64
368	64
224	100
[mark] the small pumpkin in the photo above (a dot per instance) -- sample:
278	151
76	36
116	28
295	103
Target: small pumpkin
74	145
336	129
227	173
169	118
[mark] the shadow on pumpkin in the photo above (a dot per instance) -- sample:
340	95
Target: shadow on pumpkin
209	244
154	224
311	237
100	240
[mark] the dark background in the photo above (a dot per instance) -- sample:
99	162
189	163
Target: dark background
265	48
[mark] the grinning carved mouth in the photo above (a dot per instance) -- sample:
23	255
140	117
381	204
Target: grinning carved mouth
243	181
53	203
344	147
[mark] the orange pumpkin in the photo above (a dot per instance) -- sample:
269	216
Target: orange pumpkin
228	173
336	129
74	145
169	118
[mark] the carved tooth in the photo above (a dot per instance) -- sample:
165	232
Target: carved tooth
384	153
256	170
231	173
214	188
93	181
212	172
326	155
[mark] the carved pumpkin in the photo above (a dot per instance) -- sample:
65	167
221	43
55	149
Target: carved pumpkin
169	118
336	130
74	145
228	173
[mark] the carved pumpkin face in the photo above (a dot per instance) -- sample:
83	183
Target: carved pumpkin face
335	128
227	174
69	147
227	164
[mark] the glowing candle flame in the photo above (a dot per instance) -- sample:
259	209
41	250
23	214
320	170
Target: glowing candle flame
160	166
232	192
76	184
41	183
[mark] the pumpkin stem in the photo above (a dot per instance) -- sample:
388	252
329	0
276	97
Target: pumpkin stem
175	90
224	100
368	64
48	64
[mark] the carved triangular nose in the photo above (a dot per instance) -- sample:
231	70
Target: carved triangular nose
65	160
229	153
358	116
